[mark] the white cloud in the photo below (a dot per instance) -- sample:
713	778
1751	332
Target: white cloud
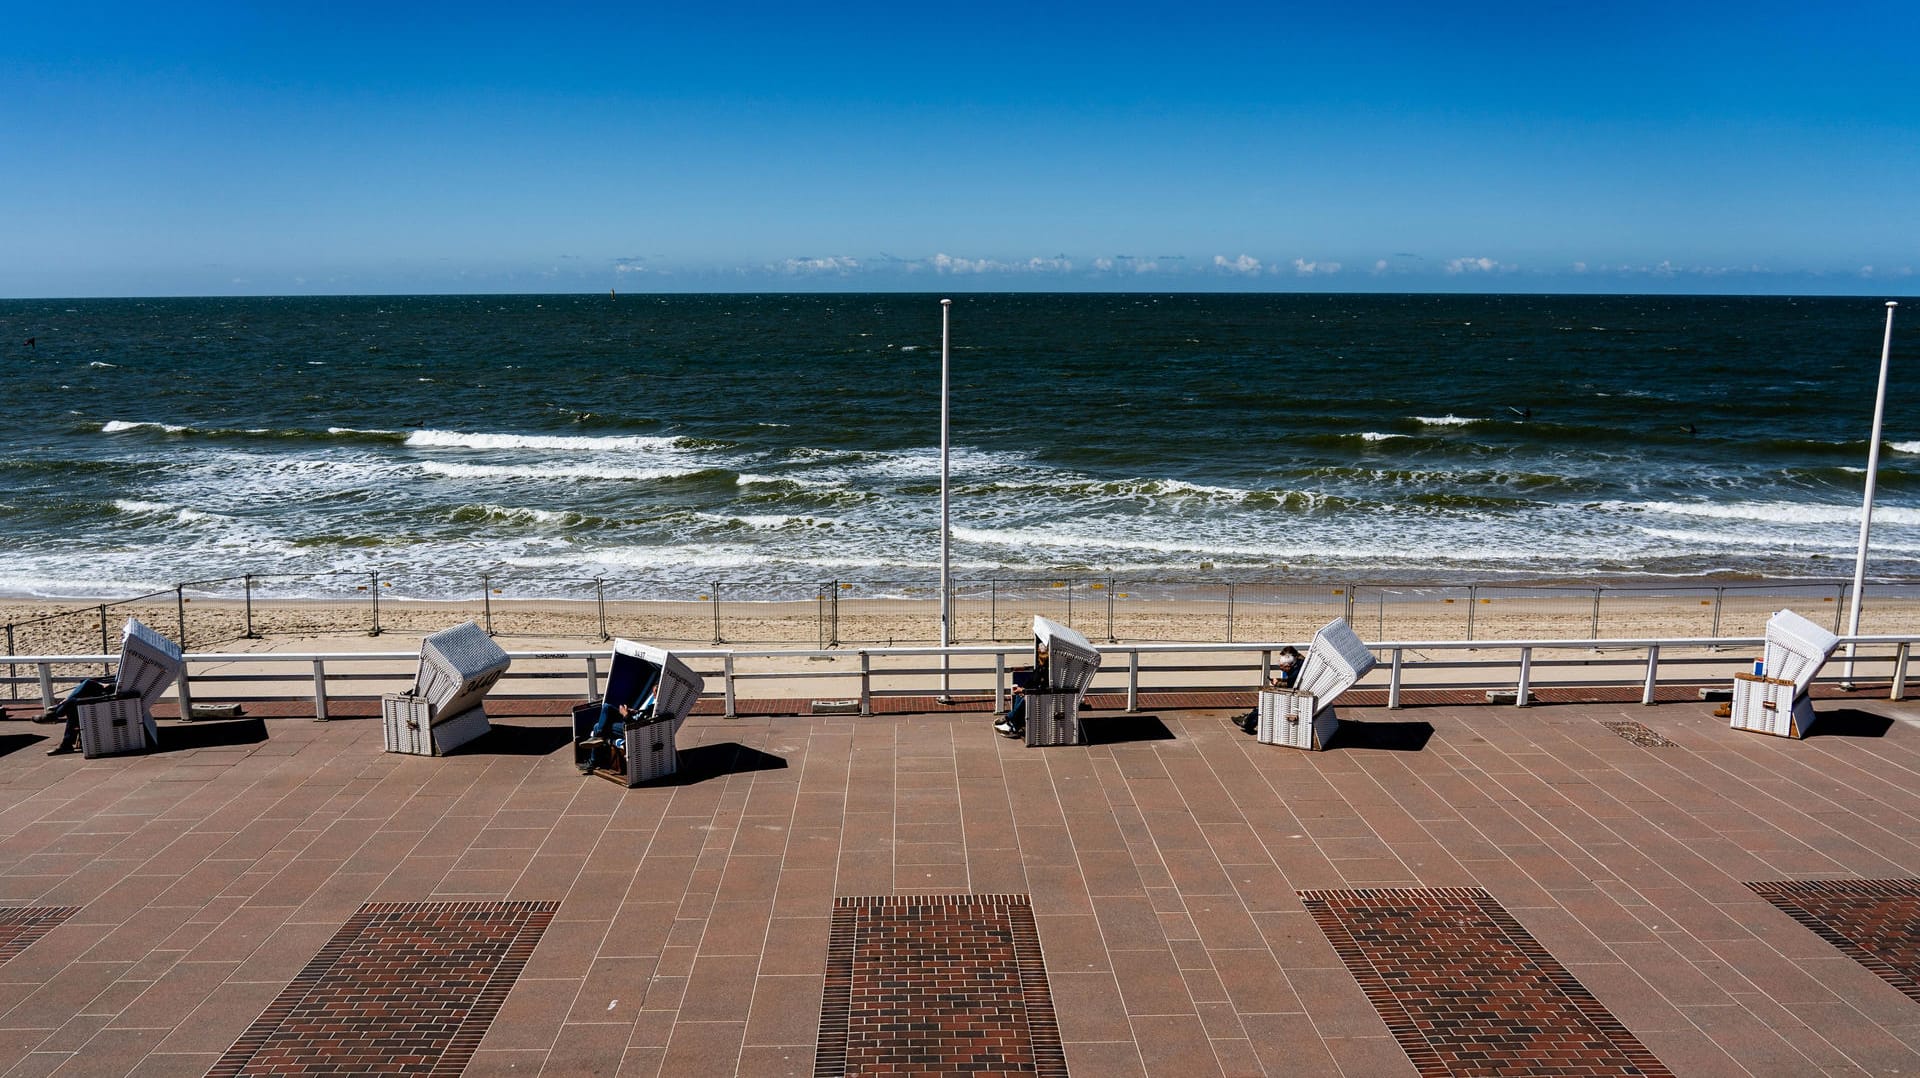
1307	269
840	265
1475	265
1380	265
1245	264
1579	267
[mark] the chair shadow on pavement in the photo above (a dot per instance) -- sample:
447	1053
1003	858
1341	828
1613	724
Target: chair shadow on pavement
1382	736
12	743
1850	722
506	740
204	734
703	762
1119	729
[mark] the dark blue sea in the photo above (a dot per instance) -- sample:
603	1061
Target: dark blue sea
777	438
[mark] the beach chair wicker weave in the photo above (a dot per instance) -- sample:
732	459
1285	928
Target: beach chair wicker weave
444	710
647	748
1303	717
123	722
1776	701
1053	715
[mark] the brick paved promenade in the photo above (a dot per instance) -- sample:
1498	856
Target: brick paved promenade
1451	889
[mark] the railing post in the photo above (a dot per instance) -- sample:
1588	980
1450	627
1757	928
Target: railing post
993	608
183	693
1839	604
180	614
866	683
46	684
833	637
600	602
1526	678
999	682
1069	601
103	640
319	691
1380	600
1229	611
593	679
716	613
1393	683
13	687
486	600
373	589
246	586
1653	674
1266	667
726	682
1899	673
1133	681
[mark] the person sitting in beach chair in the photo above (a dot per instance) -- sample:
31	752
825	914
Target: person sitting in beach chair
69	709
615	713
1014	723
1286	670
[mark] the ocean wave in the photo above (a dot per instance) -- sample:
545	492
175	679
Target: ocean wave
569	472
453	439
103	365
1376	436
121	426
1904	447
1771	512
1448	420
181	513
485	512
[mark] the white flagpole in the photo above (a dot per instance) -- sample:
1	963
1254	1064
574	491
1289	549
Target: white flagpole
946	585
1866	504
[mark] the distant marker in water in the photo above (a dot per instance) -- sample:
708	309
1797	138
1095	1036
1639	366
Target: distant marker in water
32	341
1691	429
1523	413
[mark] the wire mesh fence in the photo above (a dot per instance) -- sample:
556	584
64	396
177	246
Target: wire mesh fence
204	615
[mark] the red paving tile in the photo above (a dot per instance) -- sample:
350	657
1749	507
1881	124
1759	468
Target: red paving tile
1874	922
1466	990
22	925
942	985
403	988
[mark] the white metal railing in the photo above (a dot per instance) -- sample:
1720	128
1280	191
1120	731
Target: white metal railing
1644	660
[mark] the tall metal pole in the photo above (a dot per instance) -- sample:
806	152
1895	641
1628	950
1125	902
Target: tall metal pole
946	585
1866	504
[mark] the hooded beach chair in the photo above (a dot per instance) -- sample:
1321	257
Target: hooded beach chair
1302	717
123	722
1776	701
1053	710
643	749
443	710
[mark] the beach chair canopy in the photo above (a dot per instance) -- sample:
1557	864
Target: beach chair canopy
1071	660
457	667
1335	661
1796	649
680	687
149	662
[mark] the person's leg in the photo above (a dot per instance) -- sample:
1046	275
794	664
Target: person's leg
69	709
1015	722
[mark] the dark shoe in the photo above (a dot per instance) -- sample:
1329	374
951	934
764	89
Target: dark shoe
47	717
64	750
594	742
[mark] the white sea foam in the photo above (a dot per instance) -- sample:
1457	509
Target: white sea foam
178	512
120	426
749	479
1448	420
453	439
1773	512
1904	447
521	513
358	430
570	472
1376	436
102	365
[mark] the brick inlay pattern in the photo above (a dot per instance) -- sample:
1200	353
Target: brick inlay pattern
402	988
936	985
1874	922
1466	990
1639	733
21	925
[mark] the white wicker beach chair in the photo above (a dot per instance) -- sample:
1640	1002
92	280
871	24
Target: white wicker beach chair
1053	714
123	722
1303	717
645	749
443	710
1776	700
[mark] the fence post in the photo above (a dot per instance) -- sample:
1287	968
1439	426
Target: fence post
486	600
1473	603
866	683
1229	611
180	614
1839	604
103	640
820	615
993	609
1349	604
373	589
1133	681
1526	678
1069	601
1718	595
716	613
1110	637
1381	606
13	687
834	612
726	681
1393	683
1899	674
1596	614
600	600
247	590
319	691
1653	674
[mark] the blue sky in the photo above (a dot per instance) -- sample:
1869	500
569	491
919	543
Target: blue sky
274	149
